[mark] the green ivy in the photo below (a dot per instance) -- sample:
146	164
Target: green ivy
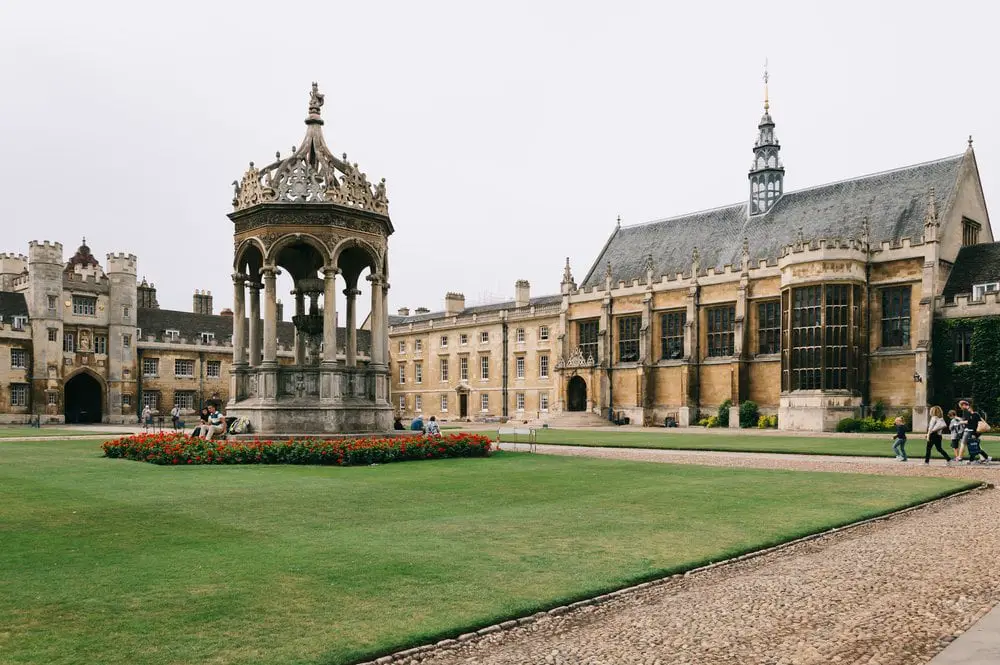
980	379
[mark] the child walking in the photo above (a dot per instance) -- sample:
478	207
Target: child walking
957	427
934	429
972	437
899	442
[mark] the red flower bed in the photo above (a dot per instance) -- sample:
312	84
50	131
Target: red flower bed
179	448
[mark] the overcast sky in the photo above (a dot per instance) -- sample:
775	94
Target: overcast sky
511	135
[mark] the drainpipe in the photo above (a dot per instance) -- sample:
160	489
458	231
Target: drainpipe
201	377
506	359
138	381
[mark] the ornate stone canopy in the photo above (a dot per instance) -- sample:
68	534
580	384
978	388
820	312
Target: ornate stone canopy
311	174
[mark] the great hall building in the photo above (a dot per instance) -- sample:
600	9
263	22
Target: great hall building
816	304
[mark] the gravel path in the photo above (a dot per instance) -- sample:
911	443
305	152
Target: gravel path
893	592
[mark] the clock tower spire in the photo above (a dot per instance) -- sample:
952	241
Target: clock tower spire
767	173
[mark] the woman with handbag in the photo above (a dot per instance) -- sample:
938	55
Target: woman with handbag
935	427
975	425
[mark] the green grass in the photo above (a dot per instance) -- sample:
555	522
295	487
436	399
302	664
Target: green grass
7	432
879	446
115	562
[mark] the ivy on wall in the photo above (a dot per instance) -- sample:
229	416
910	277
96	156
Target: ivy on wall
980	379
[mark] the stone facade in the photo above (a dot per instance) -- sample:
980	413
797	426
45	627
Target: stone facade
438	360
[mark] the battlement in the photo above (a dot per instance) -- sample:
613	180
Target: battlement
12	256
120	262
964	307
45	252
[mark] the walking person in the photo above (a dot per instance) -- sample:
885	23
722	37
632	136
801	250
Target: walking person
175	416
975	425
147	418
957	427
935	427
899	440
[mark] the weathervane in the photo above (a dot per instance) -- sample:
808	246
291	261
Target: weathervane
767	104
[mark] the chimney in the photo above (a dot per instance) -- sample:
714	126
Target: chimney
454	303
146	295
522	293
279	311
421	310
404	311
226	312
201	302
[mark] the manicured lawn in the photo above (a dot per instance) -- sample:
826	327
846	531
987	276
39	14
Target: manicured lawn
10	432
879	446
115	562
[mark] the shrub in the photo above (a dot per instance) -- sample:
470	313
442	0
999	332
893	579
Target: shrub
871	424
713	421
179	448
849	425
772	421
749	414
762	421
723	416
878	411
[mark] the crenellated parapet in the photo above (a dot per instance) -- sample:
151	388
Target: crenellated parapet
120	262
45	252
964	307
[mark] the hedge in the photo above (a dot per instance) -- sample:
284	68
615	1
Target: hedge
179	448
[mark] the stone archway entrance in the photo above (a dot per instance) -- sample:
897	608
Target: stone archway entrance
576	394
84	399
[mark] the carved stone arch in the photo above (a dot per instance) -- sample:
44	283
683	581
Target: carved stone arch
285	240
374	256
241	250
86	370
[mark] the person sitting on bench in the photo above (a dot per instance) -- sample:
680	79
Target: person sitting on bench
216	423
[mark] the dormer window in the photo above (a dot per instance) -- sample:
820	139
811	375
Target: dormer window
207	337
19	322
172	335
979	291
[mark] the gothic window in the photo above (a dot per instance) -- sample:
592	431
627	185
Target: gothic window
19	394
896	316
587	332
970	232
836	336
628	338
963	345
672	335
84	306
769	327
821	321
721	329
807	338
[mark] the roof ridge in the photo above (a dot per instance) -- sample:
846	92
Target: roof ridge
797	191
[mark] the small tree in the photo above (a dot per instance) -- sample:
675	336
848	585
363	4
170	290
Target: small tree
749	414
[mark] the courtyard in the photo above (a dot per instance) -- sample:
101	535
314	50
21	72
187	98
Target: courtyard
114	561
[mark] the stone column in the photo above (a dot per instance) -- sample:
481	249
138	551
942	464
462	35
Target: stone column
377	322
270	315
330	314
256	339
688	413
300	340
351	344
239	314
385	326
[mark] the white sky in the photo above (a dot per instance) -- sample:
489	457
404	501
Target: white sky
510	135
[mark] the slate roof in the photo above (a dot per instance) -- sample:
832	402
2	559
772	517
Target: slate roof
190	326
12	304
894	202
975	264
540	301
